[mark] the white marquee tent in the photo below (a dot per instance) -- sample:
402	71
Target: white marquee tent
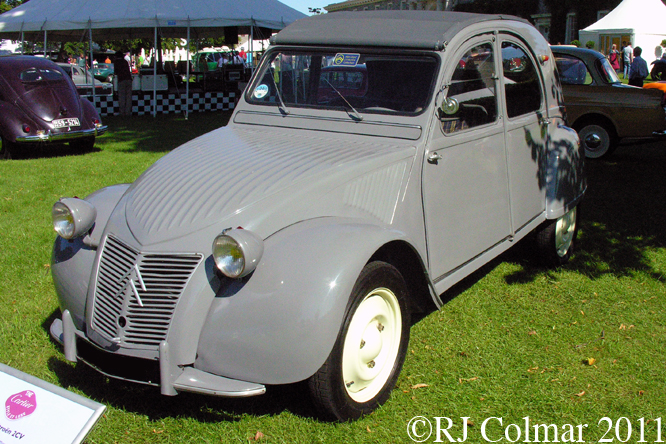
71	20
127	19
643	22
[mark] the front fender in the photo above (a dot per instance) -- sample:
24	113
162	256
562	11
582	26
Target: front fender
280	325
72	261
565	180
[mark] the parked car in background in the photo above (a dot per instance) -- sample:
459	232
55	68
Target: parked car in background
103	72
83	79
600	108
348	81
39	104
207	60
298	242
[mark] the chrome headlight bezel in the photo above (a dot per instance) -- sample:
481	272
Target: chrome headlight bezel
237	252
73	217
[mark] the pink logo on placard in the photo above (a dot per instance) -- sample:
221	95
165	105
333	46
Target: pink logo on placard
21	404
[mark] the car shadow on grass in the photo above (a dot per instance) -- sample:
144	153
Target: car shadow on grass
49	151
622	217
161	133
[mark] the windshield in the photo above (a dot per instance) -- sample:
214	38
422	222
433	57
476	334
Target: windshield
352	81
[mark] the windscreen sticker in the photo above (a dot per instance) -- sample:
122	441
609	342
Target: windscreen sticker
261	91
342	59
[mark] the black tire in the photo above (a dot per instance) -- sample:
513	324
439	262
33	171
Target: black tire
6	149
83	145
598	140
555	239
352	383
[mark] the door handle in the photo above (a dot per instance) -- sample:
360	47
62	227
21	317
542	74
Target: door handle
434	157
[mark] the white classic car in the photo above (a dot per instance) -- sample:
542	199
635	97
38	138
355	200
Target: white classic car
297	242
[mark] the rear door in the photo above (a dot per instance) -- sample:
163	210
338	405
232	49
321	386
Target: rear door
526	130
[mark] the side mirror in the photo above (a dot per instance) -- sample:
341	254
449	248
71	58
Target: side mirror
450	106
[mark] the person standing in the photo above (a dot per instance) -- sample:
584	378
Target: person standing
627	58
614	58
639	69
123	75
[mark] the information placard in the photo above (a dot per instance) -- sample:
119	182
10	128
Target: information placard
36	411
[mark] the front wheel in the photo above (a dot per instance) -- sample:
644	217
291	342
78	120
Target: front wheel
597	140
556	238
365	362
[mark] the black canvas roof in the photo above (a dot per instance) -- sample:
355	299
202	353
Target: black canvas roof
405	29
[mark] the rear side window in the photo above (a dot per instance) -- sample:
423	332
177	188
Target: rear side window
572	70
40	75
521	81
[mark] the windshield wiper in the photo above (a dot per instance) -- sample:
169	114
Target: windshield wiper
282	107
353	114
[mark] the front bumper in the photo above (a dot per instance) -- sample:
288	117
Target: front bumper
63	137
172	378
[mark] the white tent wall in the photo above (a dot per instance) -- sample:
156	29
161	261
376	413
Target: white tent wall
643	22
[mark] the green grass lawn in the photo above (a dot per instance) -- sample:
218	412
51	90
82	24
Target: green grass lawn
563	347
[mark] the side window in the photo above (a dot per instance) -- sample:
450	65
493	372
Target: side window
522	85
572	70
471	99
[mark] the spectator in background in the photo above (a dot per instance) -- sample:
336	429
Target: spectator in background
639	69
614	58
121	69
627	58
243	54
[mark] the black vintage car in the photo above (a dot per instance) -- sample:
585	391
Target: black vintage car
39	104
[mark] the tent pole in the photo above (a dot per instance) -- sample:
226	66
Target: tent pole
155	72
22	39
187	70
45	40
251	46
90	46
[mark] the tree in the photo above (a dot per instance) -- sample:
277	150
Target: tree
6	5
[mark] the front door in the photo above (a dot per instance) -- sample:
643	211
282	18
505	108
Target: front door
465	178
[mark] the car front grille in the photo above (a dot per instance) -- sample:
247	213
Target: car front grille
136	293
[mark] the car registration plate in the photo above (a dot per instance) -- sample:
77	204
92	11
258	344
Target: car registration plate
66	123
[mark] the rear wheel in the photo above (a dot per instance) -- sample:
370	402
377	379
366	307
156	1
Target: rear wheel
597	140
365	362
556	238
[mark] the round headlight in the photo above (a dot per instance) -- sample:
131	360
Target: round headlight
237	252
63	220
73	217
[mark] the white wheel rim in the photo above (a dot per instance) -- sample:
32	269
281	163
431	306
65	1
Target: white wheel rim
564	232
371	345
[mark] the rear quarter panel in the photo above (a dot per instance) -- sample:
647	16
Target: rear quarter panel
634	112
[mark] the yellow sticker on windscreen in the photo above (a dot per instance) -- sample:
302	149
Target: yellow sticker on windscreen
344	59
